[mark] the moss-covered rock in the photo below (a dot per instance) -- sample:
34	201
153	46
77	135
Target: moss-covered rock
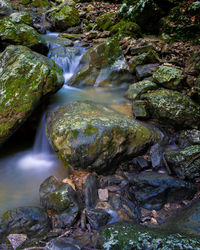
104	64
21	18
63	17
128	236
106	21
139	109
40	3
91	136
185	162
135	90
168	77
25	77
16	32
5	8
173	108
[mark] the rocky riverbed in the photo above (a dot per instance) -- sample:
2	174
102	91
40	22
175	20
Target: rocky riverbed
132	178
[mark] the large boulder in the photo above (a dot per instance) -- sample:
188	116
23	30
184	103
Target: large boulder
5	8
13	31
185	162
63	17
91	136
28	220
126	235
174	108
152	190
25	78
104	64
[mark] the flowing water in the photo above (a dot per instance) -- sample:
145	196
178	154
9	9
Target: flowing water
24	168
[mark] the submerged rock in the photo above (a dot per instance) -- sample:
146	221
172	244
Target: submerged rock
185	162
28	220
91	136
25	78
152	190
173	108
5	8
104	64
14	30
126	235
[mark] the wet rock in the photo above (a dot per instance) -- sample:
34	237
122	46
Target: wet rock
27	220
91	136
126	235
116	202
97	218
103	194
40	3
139	109
106	21
139	49
135	90
156	155
21	18
23	86
91	191
140	163
131	208
188	138
174	108
169	77
13	30
64	243
5	8
17	239
145	70
63	17
104	64
152	190
185	162
185	220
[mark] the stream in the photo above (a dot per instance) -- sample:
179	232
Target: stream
25	167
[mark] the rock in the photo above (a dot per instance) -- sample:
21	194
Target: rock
156	153
145	58
63	17
27	220
23	86
139	109
97	138
15	32
186	220
97	218
140	163
104	64
189	138
21	18
135	90
139	49
40	3
185	162
103	194
64	243
124	235
174	108
5	8
106	21
152	190
91	191
17	239
145	70
72	37
168	77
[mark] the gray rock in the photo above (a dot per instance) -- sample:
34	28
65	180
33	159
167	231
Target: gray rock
91	191
139	108
5	8
97	218
188	138
64	243
147	70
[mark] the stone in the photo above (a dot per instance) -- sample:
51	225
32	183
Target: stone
172	107
156	153
103	194
40	3
152	190
26	77
5	8
169	77
21	18
139	49
64	243
24	220
94	137
17	239
103	65
91	191
139	109
146	70
97	218
135	90
106	21
125	235
188	138
185	163
140	163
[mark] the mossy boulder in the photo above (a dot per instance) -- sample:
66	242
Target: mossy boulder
21	18
63	17
29	220
40	3
18	33
173	108
106	21
185	162
135	90
139	109
25	78
90	136
5	8
104	64
169	77
124	235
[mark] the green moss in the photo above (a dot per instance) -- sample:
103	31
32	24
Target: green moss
106	21
40	3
